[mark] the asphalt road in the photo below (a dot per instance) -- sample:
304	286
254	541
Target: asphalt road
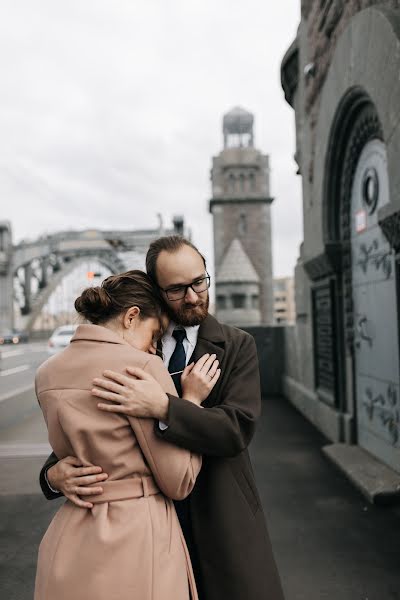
18	364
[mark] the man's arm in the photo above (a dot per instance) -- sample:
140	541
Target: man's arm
226	429
44	484
72	479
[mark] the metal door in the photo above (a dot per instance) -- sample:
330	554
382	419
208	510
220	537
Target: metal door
375	311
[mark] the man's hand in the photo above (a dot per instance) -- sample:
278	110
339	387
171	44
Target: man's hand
198	379
70	477
140	397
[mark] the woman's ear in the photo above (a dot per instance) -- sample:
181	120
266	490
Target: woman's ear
131	316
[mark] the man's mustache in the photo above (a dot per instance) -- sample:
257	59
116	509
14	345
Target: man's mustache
192	305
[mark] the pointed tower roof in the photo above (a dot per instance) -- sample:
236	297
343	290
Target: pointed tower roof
236	266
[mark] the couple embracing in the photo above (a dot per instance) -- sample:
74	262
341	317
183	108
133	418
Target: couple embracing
150	410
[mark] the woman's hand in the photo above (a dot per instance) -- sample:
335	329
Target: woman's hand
198	379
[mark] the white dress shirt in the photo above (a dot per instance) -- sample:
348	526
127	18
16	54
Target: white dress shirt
168	347
169	342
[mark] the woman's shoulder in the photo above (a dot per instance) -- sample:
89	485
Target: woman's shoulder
140	357
154	363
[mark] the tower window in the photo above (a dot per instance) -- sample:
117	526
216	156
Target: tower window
238	300
242	225
252	181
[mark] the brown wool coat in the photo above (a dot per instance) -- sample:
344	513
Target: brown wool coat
129	546
234	559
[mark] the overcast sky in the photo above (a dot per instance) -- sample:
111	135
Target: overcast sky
110	112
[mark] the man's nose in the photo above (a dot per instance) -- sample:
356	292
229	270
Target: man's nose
191	296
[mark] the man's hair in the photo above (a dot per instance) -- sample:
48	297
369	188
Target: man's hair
169	243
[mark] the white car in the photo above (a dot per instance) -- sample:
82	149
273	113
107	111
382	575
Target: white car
60	338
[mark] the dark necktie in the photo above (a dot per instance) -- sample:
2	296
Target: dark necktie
177	361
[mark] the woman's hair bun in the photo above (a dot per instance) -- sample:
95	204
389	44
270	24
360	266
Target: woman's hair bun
94	304
118	293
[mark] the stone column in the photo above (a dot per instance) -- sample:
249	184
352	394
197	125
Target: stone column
6	277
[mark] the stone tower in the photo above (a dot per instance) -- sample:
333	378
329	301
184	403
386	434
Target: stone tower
241	209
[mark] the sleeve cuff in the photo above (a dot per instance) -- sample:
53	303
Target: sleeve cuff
47	481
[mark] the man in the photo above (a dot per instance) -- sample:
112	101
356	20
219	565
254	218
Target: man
222	519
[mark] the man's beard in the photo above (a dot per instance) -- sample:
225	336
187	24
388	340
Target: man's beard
188	315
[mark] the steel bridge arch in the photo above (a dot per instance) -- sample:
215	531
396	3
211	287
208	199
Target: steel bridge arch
66	267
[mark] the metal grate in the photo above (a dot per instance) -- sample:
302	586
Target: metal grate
325	340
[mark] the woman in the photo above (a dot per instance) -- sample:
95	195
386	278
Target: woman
129	546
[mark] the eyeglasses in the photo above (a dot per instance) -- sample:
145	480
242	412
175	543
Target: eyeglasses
180	291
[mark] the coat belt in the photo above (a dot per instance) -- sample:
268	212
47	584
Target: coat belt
124	489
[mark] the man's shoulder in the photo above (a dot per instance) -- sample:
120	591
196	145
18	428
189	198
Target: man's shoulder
236	335
228	333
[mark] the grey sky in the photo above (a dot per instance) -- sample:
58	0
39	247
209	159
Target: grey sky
110	112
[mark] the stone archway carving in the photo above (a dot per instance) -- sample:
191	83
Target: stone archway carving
361	71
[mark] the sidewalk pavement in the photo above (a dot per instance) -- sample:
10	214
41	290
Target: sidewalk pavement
328	542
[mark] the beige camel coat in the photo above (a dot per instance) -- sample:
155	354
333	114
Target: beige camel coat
129	546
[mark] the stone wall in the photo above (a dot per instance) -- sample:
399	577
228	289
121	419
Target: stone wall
270	342
325	21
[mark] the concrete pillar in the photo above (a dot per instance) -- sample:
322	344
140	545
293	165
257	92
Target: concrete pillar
43	272
26	309
6	277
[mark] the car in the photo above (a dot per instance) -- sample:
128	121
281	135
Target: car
60	338
13	336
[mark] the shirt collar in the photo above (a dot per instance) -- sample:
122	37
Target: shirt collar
191	332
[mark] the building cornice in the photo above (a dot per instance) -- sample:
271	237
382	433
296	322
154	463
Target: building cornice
240	200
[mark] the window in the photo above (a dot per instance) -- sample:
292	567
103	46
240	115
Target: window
221	302
279	286
255	301
242	225
238	300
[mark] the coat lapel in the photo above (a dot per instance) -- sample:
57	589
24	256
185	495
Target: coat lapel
210	340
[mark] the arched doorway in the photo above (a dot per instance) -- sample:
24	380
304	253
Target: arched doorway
356	187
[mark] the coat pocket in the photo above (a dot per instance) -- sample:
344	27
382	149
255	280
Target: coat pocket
244	484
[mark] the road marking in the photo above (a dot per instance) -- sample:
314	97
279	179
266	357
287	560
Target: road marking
10	450
14	370
18	351
12	353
